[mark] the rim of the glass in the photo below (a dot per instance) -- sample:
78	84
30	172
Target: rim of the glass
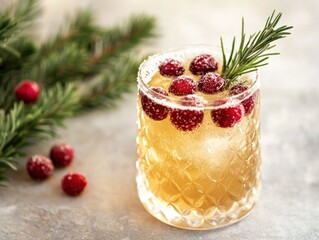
211	104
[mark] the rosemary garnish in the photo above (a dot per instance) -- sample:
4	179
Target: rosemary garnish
252	54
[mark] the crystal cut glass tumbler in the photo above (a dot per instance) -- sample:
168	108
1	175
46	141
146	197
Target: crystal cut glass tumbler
201	177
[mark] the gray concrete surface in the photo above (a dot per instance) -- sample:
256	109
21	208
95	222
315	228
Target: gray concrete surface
105	140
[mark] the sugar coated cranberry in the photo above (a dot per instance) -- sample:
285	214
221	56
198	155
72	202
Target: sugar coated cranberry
152	109
203	64
73	184
188	119
248	103
227	117
39	167
62	155
27	91
211	83
182	85
171	67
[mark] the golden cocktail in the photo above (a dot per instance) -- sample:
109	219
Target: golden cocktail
198	140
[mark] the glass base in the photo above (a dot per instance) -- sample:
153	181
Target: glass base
191	219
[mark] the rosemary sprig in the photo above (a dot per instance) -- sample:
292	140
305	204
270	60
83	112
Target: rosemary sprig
252	54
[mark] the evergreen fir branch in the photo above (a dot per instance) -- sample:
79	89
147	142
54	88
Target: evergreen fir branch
59	66
7	97
53	62
10	50
118	78
17	19
61	61
253	53
8	27
81	30
11	64
119	40
11	70
13	22
25	125
82	51
25	12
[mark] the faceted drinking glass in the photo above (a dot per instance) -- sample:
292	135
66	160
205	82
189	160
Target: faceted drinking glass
205	178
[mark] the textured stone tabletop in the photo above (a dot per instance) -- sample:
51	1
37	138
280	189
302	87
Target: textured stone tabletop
105	140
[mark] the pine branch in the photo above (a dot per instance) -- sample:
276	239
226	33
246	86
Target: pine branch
23	12
81	31
10	66
59	66
119	40
8	27
118	78
68	56
26	11
11	70
253	53
7	97
25	125
14	21
61	61
83	51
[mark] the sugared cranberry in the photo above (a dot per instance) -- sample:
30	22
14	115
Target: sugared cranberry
39	167
171	67
203	64
186	119
73	183
182	85
61	155
211	83
27	91
227	117
154	110
248	103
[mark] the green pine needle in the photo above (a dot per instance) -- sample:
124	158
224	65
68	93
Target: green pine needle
118	78
253	53
81	56
16	20
121	39
25	125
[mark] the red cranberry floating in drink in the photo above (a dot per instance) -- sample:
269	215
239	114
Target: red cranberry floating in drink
202	64
188	119
171	67
182	85
227	117
153	109
248	103
211	83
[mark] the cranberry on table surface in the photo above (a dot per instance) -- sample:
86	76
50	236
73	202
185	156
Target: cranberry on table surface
27	91
211	83
248	103
202	64
188	119
74	184
152	109
182	85
39	167
227	117
62	155
171	67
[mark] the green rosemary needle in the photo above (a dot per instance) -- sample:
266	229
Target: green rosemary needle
253	53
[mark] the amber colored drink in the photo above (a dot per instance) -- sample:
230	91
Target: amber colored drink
205	174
